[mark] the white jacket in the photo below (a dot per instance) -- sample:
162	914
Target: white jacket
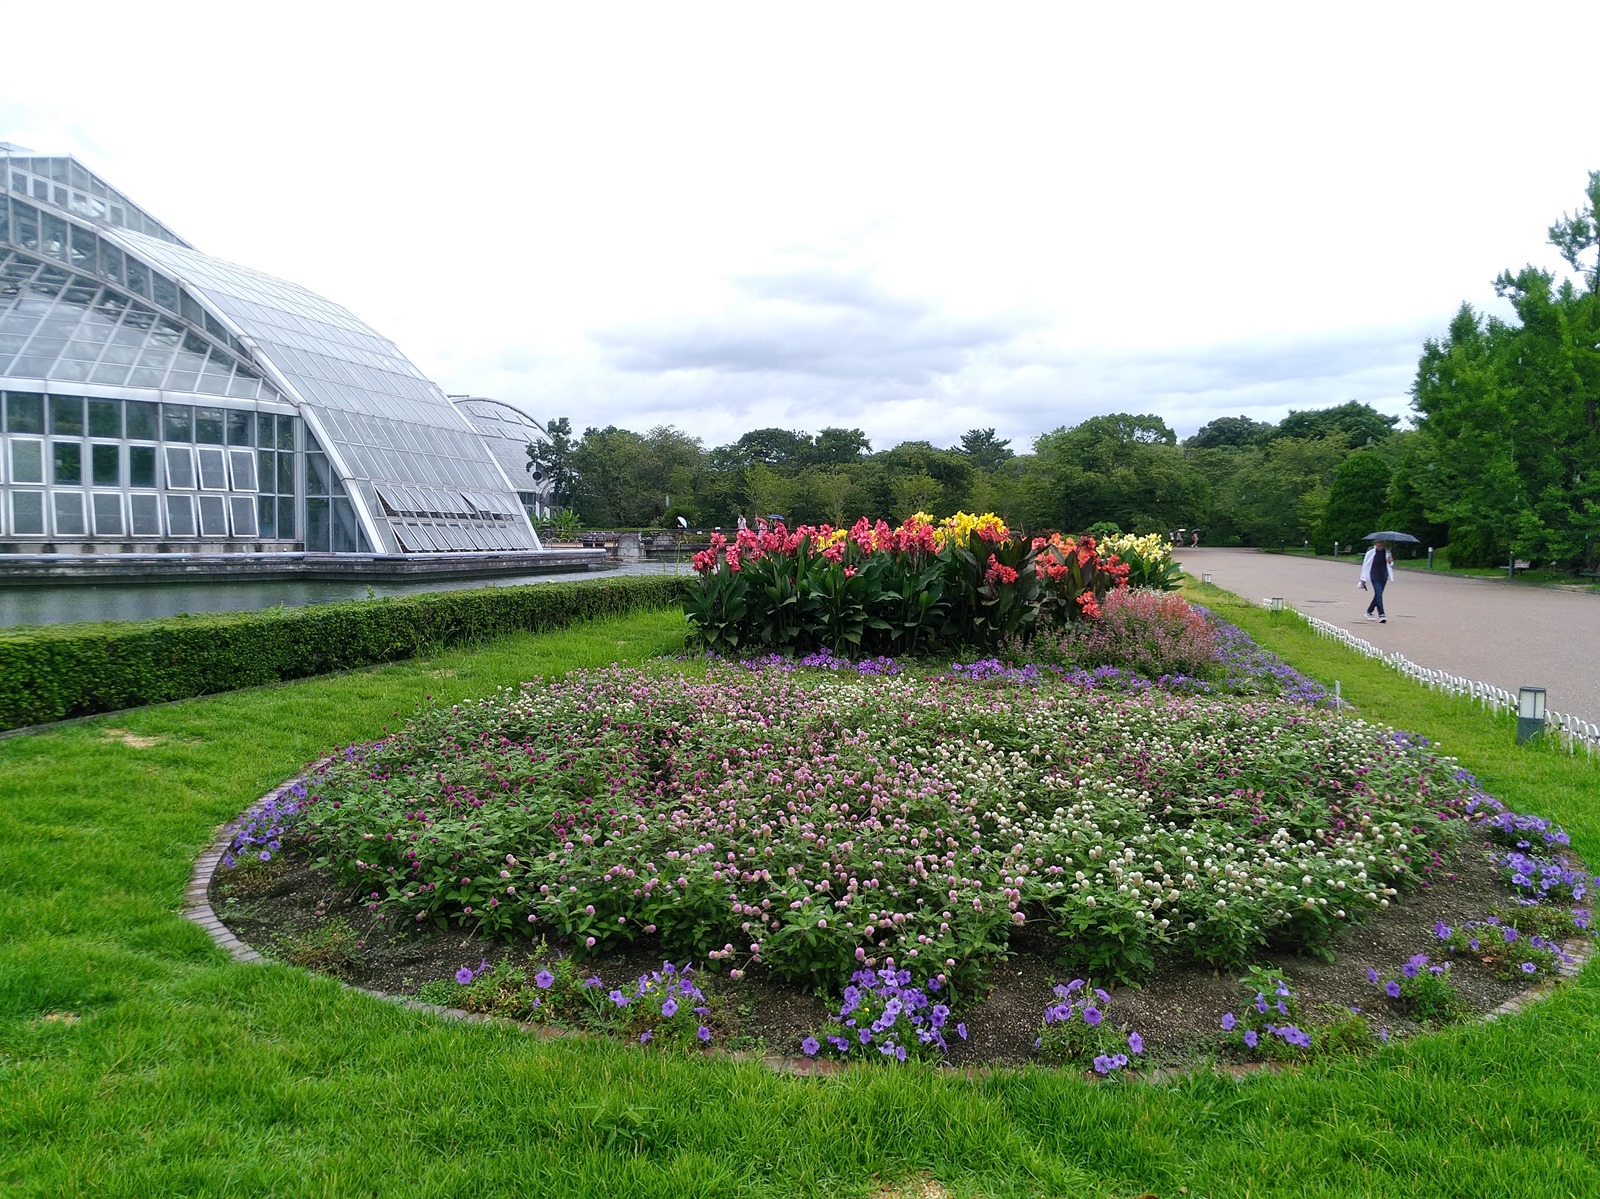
1366	566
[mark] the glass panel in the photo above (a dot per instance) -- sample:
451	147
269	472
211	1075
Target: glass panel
316	474
346	532
286	432
81	248
66	414
141	466
141	418
66	462
105	418
180	467
24	412
53	237
145	515
266	432
108	514
177	422
286	524
69	513
285	474
213	469
213	516
242	464
138	277
267	508
180	515
27	461
106	463
241	428
164	291
208	426
317	532
242	510
27	513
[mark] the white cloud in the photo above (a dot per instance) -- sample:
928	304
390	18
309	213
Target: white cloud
910	218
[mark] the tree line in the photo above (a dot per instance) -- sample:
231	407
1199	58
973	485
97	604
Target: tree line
1503	459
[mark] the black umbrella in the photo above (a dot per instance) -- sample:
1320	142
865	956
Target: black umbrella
1390	536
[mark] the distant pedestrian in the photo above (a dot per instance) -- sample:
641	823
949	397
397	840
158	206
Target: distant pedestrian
1377	568
1194	539
742	524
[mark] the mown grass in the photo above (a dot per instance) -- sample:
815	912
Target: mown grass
183	1073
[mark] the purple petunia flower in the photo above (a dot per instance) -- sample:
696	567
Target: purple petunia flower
1529	968
1392	989
1092	1016
1372	974
1135	1042
644	1037
618	998
809	1046
1250	1037
961	1031
464	976
1228	1021
669	1009
704	1033
1102	1064
544	980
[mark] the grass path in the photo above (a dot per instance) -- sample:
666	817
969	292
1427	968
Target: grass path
136	1059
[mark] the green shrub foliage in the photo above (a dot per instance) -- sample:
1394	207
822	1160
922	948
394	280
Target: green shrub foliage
75	670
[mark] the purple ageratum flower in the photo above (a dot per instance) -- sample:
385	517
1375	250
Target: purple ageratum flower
809	1046
1228	1021
1392	989
544	980
464	975
1135	1042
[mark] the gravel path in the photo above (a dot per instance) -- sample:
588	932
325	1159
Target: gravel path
1488	630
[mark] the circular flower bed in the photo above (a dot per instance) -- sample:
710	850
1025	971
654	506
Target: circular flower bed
891	834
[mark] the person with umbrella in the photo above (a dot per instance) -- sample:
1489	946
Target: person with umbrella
1377	568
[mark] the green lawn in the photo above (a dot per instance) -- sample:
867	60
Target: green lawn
177	1072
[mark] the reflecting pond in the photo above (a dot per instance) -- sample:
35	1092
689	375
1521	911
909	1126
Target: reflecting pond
71	602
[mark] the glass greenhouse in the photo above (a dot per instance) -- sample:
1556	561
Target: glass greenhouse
508	432
156	400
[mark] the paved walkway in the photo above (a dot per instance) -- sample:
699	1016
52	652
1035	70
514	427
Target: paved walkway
1487	630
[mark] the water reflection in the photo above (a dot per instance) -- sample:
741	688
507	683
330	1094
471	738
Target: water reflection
70	603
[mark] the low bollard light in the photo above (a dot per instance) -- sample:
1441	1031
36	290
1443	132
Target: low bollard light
1530	713
1275	604
1206	577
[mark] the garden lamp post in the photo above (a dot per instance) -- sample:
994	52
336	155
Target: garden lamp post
1530	713
1205	577
1275	604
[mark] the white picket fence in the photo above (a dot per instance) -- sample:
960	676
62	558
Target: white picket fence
1572	731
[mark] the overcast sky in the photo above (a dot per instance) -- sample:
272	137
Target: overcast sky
914	219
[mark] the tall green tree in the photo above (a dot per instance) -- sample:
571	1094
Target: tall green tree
550	457
1357	500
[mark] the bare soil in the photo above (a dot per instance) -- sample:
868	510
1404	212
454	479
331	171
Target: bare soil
289	910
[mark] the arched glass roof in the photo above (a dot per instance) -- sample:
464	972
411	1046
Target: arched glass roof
93	291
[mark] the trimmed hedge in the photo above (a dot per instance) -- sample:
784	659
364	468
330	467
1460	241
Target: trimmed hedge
53	673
